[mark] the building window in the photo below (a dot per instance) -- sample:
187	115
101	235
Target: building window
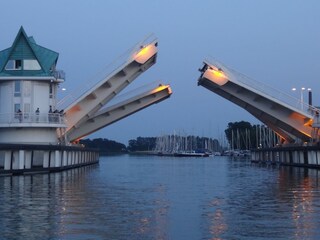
26	88
10	65
31	64
18	65
50	91
28	64
14	65
26	109
17	88
17	107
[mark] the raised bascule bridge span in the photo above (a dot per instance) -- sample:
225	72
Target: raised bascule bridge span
115	112
37	133
292	119
89	112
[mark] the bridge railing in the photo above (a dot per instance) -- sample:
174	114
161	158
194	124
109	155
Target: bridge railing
109	70
282	97
134	92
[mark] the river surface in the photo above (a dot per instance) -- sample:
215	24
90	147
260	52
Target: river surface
149	197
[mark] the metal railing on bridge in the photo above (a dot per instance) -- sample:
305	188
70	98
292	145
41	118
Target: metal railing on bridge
282	97
105	73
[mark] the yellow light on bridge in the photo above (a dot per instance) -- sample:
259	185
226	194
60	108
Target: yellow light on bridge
144	50
219	73
217	76
145	53
309	122
161	88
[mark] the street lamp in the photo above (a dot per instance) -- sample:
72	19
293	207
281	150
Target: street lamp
294	89
301	95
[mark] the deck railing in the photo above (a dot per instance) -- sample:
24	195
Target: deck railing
16	118
59	74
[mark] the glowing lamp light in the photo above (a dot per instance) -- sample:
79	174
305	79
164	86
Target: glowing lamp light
219	74
145	53
161	88
216	76
63	89
308	123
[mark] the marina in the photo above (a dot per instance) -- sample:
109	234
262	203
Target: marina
177	145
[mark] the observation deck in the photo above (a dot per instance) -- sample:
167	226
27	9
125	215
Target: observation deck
53	120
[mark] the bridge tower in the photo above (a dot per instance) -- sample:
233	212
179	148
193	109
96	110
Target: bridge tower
28	85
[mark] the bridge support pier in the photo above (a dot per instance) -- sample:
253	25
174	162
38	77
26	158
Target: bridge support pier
18	159
302	156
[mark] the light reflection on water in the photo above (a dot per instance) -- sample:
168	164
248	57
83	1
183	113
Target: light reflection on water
144	197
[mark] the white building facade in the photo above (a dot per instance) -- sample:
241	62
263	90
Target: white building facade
31	127
28	86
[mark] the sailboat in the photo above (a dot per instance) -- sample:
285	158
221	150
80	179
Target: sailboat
190	154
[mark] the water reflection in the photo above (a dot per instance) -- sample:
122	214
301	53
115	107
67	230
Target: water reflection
264	202
80	204
218	224
163	198
300	187
33	205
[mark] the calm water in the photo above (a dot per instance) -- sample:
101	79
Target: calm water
143	197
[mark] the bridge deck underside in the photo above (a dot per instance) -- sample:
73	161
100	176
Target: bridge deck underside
279	117
83	109
119	111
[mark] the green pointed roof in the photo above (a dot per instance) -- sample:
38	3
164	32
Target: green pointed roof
25	48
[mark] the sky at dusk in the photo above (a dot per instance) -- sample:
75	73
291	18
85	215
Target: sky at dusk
274	42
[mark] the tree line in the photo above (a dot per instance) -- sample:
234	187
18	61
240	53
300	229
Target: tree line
242	135
239	135
106	146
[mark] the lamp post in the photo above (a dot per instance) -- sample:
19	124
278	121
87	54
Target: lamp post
301	95
309	96
294	89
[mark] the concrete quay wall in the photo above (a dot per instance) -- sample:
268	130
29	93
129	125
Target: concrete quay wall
301	156
18	159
